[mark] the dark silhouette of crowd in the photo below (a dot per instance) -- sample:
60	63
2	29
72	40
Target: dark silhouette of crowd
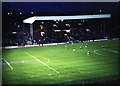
49	34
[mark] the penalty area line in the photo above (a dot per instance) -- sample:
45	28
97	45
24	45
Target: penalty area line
41	62
8	63
112	50
95	51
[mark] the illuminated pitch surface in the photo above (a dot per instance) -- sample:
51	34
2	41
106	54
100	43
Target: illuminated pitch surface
100	65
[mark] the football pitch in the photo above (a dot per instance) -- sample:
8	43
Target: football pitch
61	64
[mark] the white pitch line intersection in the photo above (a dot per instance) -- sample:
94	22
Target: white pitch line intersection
41	62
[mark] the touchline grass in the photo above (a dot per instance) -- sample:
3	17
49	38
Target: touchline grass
57	64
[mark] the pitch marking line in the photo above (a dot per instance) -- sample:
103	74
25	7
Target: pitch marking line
41	62
8	63
112	50
95	51
48	60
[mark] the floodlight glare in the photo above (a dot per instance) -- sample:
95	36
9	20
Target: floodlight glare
8	13
20	13
31	12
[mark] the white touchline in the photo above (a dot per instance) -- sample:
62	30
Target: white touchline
41	62
8	63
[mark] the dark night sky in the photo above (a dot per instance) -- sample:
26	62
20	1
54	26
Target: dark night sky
53	8
57	7
10	22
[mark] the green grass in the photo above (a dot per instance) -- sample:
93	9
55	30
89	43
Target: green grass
72	66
